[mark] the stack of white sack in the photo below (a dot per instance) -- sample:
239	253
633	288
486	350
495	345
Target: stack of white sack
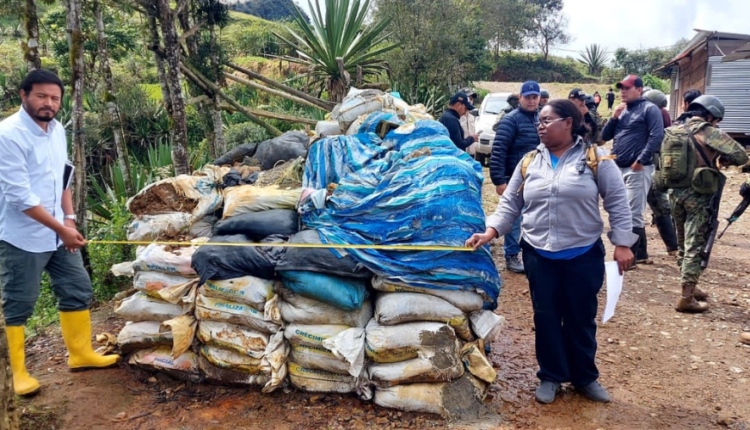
424	340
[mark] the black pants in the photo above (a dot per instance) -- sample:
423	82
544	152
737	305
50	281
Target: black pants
563	294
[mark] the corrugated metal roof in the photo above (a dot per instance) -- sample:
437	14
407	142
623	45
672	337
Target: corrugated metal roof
698	40
730	82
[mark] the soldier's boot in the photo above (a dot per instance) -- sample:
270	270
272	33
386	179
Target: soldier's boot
667	233
640	248
687	302
699	294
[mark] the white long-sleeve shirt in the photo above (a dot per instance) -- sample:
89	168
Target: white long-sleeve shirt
32	163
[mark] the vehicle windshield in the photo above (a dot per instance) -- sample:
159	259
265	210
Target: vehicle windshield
495	105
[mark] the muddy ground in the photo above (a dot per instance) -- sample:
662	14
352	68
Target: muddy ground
664	370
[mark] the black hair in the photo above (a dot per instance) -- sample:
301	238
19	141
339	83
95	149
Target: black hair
695	110
567	109
40	76
610	89
691	95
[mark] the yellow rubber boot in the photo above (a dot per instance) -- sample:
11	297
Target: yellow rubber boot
23	383
76	331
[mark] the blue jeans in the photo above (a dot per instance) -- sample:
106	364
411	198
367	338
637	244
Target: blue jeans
511	244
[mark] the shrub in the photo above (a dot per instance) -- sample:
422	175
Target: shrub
519	67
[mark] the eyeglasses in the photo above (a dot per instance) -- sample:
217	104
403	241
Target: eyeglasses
547	122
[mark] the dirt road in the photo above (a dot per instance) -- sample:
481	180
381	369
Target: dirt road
664	370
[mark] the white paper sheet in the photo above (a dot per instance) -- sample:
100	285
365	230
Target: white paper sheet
614	288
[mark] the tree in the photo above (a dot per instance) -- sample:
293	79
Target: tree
548	26
505	23
75	42
8	413
441	45
643	61
595	58
172	64
31	45
113	114
340	45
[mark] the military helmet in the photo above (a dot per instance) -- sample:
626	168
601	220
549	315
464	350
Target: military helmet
711	103
513	96
544	94
656	97
589	101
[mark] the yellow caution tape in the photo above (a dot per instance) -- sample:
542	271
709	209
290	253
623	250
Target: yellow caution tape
287	245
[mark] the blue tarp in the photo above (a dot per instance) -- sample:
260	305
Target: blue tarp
331	158
371	122
413	197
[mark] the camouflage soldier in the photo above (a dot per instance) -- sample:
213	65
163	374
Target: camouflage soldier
594	121
543	99
691	208
658	200
513	101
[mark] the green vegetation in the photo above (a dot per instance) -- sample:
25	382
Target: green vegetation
272	10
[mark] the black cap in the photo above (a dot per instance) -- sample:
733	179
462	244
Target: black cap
461	97
577	93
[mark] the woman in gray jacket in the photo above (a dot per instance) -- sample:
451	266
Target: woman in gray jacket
562	248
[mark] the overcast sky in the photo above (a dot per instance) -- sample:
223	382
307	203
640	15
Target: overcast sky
649	23
638	24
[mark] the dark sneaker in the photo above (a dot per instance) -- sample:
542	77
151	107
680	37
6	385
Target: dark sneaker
515	264
594	391
547	391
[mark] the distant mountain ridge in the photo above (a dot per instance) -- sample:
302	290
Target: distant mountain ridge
272	10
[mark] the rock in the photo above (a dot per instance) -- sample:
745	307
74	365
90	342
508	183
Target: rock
121	416
725	420
745	338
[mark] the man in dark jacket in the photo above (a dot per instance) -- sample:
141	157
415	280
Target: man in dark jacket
637	129
610	99
451	119
516	135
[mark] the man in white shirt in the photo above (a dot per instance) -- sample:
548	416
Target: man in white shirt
38	229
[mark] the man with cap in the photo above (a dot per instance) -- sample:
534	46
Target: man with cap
515	136
451	119
468	122
543	98
578	97
637	129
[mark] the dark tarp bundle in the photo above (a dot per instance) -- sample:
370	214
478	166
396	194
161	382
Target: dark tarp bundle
237	154
218	263
320	260
425	191
259	225
288	146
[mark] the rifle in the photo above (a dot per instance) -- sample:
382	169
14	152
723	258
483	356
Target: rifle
740	209
713	221
713	205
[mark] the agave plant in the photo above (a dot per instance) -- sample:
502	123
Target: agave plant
340	34
595	58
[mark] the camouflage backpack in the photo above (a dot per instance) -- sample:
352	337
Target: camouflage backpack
677	161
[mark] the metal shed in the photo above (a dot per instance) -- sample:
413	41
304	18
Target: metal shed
700	66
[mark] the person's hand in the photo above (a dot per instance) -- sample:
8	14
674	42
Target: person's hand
624	258
500	189
636	167
478	240
618	110
476	137
72	240
70	223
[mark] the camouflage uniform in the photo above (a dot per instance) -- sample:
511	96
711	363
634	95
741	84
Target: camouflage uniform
659	203
513	103
690	210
